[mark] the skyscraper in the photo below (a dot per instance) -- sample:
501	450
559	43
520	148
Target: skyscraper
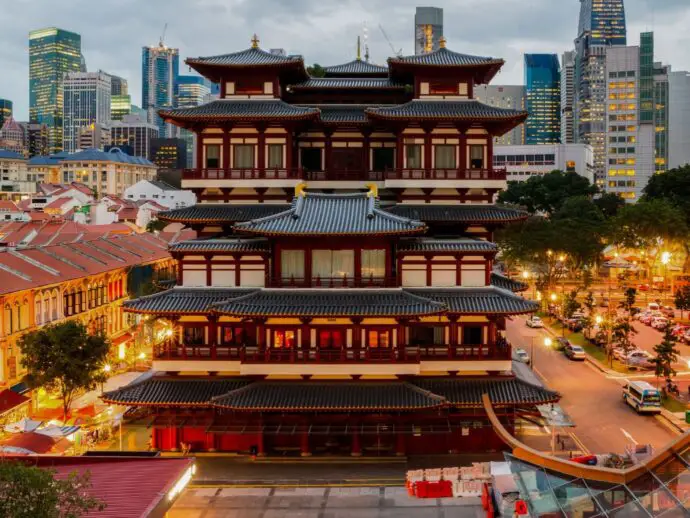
504	96
5	111
543	94
567	97
135	132
86	104
52	54
191	91
160	70
601	26
428	29
118	85
679	119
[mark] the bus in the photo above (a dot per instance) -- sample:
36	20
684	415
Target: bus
642	396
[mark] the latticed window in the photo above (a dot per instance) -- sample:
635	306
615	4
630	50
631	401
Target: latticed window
243	156
445	157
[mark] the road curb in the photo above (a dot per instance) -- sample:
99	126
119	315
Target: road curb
673	421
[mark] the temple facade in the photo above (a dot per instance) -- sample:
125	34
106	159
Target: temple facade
341	297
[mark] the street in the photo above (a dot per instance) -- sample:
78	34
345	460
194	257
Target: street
604	423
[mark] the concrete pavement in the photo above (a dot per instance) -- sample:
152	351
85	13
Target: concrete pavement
594	401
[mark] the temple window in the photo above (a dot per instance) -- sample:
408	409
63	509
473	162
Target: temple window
472	335
212	156
243	155
413	153
328	264
383	158
427	335
379	338
249	87
331	339
477	156
444	157
443	88
194	335
310	158
235	336
373	264
275	156
284	338
292	264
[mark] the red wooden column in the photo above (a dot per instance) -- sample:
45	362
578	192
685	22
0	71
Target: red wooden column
328	154
399	444
463	147
366	150
174	438
260	449
427	147
213	334
452	335
210	441
400	150
154	439
356	336
261	333
401	341
304	444
490	153
306	335
261	155
199	150
289	151
492	335
226	149
356	444
209	271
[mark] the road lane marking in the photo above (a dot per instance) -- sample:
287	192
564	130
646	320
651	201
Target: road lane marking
630	437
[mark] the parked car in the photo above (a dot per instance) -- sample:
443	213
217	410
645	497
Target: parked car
660	323
573	324
561	343
679	331
521	355
686	336
641	363
668	312
643	287
578	315
535	321
574	352
638	355
620	354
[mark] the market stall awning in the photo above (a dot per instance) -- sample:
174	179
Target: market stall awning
9	400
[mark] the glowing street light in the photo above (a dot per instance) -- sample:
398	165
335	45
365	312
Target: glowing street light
665	258
525	275
142	356
539	295
548	342
169	333
549	253
561	258
554	297
107	367
598	319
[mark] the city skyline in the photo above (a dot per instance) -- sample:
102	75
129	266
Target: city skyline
105	48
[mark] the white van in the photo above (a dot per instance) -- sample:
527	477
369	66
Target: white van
653	306
642	396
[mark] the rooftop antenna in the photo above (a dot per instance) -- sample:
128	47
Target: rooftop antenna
397	53
365	31
162	40
359	49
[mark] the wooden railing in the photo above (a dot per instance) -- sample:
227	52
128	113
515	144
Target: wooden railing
446	174
332	282
407	354
243	174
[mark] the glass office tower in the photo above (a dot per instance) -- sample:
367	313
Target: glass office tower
160	71
543	93
52	54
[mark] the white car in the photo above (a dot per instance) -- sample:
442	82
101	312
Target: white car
521	355
535	322
659	323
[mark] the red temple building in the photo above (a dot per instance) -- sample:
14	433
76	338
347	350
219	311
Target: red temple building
341	297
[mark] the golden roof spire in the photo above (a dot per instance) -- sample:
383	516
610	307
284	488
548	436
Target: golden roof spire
255	42
442	42
359	50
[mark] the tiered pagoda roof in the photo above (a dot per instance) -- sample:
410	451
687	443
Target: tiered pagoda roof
356	68
344	114
257	245
221	213
345	302
348	83
505	283
242	110
460	213
435	245
470	110
315	214
324	396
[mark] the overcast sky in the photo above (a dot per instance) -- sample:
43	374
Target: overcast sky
324	31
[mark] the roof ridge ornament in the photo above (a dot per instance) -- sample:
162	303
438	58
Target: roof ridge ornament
255	41
300	190
442	42
373	190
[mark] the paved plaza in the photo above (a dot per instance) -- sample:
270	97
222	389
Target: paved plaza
318	502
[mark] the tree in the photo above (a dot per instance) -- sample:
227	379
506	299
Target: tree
609	204
570	304
622	333
66	358
666	355
155	225
32	492
589	319
629	301
579	216
682	299
316	70
547	193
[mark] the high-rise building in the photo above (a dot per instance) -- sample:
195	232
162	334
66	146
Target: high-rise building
192	91
5	111
86	103
36	139
120	105
52	54
504	96
160	71
567	97
169	153
637	117
543	95
118	85
135	132
12	136
428	29
601	26
679	119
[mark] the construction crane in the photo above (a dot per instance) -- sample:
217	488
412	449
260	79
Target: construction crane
395	52
162	40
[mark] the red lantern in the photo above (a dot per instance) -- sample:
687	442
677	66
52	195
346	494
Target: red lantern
521	508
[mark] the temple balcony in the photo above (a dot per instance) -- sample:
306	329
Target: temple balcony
234	177
333	282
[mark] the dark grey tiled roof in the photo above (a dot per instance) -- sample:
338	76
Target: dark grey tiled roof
355	214
503	282
173	391
333	302
424	244
356	66
447	110
478	301
181	300
506	391
329	396
344	113
221	213
221	245
249	57
465	213
163	185
251	109
445	57
350	83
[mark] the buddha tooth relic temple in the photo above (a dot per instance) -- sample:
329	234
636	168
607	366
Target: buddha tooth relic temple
340	297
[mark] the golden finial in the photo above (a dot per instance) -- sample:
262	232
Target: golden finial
300	190
373	190
359	50
442	42
255	42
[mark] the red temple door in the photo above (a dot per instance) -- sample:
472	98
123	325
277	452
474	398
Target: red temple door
347	164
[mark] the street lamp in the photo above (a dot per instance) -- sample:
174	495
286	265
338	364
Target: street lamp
548	342
107	367
665	259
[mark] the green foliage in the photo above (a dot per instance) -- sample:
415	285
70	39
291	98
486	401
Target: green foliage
682	299
629	301
622	334
587	278
316	70
31	492
609	204
64	357
646	224
547	193
155	225
666	355
582	228
570	304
